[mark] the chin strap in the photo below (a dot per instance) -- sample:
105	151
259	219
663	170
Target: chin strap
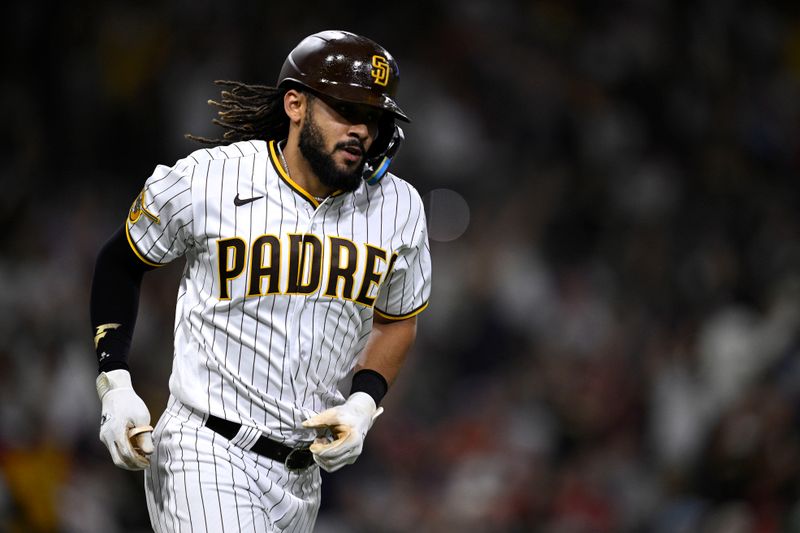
376	166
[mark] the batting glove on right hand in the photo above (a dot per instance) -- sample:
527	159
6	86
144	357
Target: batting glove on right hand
349	424
125	424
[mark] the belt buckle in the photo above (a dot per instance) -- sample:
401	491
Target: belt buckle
295	463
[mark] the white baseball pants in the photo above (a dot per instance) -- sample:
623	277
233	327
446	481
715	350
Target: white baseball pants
198	481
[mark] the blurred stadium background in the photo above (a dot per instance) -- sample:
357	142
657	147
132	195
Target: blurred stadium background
612	343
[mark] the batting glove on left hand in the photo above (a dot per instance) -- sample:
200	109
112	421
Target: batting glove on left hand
349	424
125	424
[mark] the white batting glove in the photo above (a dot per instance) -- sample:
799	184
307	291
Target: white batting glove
125	424
349	424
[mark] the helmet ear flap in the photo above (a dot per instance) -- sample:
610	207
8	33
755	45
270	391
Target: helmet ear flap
382	152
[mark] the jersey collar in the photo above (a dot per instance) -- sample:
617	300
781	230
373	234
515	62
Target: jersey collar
276	162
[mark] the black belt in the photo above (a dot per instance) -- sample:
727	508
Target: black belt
293	458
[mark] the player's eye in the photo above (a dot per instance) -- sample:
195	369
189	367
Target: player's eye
358	114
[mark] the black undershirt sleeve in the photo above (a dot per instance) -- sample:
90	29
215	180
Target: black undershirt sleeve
114	301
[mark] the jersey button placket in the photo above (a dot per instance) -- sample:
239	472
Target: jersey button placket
299	303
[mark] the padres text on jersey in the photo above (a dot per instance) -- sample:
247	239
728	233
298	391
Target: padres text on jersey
279	290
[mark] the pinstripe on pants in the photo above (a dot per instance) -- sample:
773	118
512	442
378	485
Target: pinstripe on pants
199	482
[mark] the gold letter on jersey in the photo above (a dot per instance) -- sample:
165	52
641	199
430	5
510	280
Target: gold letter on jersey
344	259
305	264
258	270
380	71
231	257
371	275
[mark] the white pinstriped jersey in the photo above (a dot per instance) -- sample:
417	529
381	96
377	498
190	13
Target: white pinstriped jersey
279	289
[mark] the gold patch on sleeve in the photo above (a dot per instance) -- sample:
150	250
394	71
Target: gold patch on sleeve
138	209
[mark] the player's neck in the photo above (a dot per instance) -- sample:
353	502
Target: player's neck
297	168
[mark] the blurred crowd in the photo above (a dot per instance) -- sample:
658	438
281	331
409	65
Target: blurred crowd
612	341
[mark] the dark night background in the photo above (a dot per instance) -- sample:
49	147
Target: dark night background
612	341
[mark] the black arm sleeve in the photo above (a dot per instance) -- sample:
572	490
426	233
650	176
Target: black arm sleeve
114	301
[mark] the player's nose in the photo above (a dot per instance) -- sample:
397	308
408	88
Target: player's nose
358	130
365	132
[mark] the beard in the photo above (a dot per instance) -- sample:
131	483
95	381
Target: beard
312	146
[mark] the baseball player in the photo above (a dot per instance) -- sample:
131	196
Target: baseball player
306	266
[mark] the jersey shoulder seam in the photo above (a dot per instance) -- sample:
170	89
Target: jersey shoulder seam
217	153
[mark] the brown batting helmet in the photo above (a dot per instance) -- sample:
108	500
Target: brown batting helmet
345	66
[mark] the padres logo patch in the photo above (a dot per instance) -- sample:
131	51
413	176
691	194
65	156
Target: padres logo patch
138	209
380	70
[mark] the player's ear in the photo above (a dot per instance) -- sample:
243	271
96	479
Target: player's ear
294	103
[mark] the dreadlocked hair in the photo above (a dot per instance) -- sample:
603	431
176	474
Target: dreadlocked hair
248	112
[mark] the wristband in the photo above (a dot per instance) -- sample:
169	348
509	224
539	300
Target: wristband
370	382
